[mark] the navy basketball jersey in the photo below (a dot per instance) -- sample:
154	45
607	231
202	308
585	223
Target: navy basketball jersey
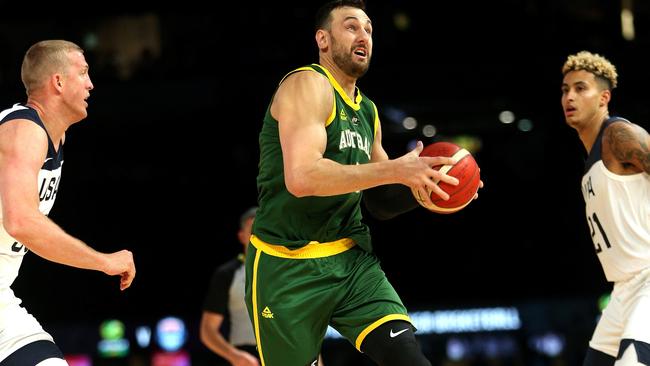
12	251
618	214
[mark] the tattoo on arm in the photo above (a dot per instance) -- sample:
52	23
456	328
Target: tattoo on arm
629	145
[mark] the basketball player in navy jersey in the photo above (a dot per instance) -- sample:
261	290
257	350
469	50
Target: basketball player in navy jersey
55	75
616	189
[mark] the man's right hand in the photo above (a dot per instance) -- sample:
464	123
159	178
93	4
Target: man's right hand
121	263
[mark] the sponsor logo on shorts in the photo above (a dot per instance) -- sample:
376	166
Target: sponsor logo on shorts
393	335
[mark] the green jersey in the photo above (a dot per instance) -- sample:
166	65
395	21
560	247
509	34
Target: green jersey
293	222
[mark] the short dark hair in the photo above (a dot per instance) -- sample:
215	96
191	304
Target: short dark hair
324	14
251	212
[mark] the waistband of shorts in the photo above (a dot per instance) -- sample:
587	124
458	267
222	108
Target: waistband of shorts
313	249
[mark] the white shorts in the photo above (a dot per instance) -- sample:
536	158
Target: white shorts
18	328
627	316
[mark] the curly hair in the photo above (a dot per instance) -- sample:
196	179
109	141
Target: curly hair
593	63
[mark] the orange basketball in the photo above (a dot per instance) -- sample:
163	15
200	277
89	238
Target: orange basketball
465	170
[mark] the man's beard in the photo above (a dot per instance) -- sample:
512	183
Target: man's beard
343	60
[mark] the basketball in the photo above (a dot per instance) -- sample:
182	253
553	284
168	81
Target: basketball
465	170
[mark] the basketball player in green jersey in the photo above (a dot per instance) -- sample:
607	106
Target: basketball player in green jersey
310	263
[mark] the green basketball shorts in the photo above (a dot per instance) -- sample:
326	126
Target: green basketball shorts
293	295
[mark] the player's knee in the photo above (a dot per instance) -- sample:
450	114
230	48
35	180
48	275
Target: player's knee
394	344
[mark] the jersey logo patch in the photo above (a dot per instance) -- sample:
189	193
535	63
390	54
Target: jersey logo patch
267	313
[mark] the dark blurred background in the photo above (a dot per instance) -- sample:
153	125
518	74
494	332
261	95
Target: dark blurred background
167	159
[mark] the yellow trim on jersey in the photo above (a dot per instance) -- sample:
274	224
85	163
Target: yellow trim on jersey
330	119
335	84
255	317
304	68
376	119
376	324
313	249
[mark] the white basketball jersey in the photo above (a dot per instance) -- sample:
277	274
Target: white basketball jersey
12	251
618	214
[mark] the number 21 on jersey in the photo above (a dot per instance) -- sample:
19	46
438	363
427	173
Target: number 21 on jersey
594	224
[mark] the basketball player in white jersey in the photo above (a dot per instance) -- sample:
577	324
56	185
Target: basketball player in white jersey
55	75
616	189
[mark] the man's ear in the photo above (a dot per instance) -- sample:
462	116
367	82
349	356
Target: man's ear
57	81
605	97
322	39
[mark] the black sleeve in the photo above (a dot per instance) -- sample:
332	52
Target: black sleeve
387	201
216	299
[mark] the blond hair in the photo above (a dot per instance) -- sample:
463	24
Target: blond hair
44	59
593	63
